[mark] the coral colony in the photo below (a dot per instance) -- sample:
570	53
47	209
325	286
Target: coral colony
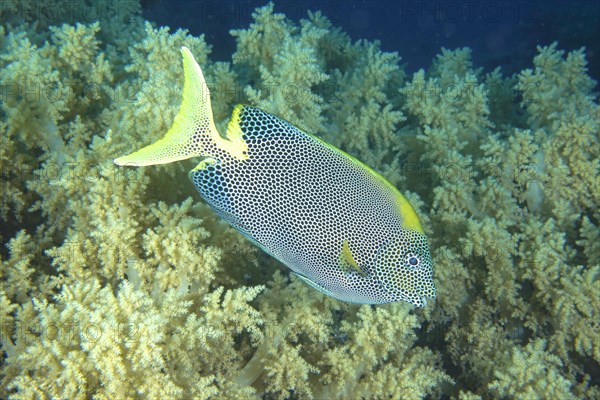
121	283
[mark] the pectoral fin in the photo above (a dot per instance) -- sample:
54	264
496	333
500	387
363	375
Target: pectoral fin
347	261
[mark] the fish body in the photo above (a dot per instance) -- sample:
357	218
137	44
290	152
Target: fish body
336	223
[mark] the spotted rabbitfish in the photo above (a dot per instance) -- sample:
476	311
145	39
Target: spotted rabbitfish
336	223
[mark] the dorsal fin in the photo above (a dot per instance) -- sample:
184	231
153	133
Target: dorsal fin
234	130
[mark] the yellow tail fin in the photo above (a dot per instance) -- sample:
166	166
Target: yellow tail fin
193	132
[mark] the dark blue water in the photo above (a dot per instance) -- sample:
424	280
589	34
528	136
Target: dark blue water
500	33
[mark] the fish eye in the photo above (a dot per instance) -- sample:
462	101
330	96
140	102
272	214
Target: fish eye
412	260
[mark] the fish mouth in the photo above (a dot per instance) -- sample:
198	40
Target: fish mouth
424	300
419	301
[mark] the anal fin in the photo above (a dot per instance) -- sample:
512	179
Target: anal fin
315	285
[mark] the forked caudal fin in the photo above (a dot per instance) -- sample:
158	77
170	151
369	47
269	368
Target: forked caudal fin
193	132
